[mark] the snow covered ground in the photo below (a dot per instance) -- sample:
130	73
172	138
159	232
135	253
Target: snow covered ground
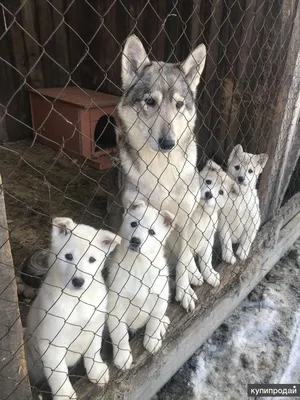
259	343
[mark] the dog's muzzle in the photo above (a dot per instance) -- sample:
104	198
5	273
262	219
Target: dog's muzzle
134	243
77	282
166	143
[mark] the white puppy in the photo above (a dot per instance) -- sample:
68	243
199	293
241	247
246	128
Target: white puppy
66	319
138	281
240	219
199	234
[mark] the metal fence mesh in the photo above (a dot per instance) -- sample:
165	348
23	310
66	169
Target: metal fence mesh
169	127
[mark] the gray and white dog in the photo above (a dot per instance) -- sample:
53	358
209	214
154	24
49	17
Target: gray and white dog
158	151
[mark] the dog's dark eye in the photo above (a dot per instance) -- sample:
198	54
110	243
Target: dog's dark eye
208	182
250	171
150	101
237	167
69	257
134	224
179	105
221	192
92	260
151	232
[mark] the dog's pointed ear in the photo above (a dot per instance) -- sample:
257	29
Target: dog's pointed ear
262	160
62	226
213	166
236	151
134	59
193	66
108	240
168	217
133	206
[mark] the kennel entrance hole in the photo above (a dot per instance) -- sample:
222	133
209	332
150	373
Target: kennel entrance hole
105	133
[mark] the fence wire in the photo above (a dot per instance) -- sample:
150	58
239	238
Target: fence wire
128	179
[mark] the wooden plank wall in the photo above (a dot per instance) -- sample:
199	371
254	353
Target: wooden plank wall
60	42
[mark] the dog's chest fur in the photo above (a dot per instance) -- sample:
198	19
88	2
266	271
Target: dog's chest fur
242	213
164	181
202	226
67	315
135	284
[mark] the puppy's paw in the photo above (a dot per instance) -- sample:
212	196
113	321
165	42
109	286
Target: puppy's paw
164	324
123	359
241	253
152	344
196	278
213	278
229	258
99	373
187	298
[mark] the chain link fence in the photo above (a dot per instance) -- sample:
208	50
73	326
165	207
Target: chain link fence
132	171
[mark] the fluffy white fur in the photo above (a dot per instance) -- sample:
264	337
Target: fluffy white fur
240	219
66	322
167	180
199	234
138	282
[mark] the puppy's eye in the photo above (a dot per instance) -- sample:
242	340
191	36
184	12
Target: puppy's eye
150	101
221	192
134	224
151	232
208	182
92	260
250	171
69	257
179	104
237	167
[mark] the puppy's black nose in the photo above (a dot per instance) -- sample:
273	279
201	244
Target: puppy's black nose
135	241
77	282
166	143
241	179
208	195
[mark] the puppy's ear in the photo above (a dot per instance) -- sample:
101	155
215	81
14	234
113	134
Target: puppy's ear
62	226
236	151
134	59
213	166
108	240
193	67
262	159
133	206
168	217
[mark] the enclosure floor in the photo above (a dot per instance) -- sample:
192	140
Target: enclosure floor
41	183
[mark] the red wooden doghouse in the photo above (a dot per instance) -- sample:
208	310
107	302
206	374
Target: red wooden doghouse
80	121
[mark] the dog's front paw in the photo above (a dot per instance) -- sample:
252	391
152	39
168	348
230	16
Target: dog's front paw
164	324
186	297
213	278
229	258
241	253
99	373
196	278
152	344
123	359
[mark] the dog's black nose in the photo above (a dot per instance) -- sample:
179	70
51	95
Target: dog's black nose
166	143
241	179
208	195
77	282
135	241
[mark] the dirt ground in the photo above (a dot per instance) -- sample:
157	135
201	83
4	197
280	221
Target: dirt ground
41	183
